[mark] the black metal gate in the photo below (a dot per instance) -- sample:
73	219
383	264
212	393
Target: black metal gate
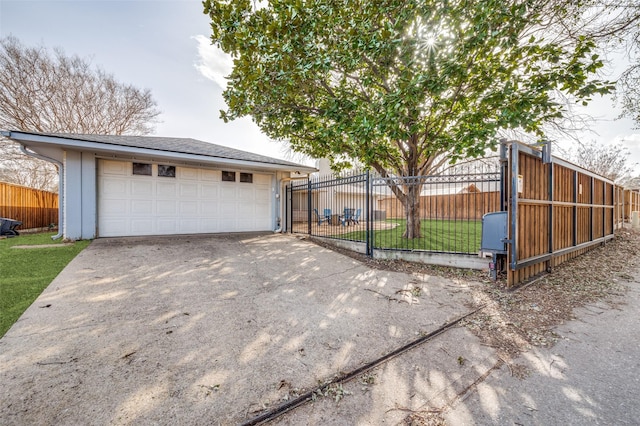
365	208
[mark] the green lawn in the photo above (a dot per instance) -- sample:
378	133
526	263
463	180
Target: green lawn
24	273
454	236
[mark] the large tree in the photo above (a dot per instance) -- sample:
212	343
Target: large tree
610	161
402	86
614	25
48	91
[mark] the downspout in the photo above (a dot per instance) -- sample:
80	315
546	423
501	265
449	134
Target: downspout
60	186
283	201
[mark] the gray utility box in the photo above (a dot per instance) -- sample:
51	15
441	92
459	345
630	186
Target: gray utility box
494	233
494	236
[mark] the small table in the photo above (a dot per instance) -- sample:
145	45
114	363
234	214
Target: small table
335	219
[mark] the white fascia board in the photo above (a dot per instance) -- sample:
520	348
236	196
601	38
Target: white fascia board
29	139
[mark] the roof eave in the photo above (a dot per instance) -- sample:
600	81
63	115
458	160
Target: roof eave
106	149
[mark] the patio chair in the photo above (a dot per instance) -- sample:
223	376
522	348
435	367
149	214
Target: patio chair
356	217
347	218
319	218
327	215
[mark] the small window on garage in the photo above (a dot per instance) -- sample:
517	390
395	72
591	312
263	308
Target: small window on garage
228	176
142	169
246	177
166	171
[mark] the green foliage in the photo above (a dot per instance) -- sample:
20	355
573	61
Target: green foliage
400	86
395	84
26	272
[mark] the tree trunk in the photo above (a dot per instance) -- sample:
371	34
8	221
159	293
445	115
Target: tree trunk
411	203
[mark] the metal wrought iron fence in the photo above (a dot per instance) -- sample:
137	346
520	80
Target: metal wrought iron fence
364	207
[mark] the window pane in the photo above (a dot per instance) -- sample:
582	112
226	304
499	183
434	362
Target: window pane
229	176
167	171
142	169
246	177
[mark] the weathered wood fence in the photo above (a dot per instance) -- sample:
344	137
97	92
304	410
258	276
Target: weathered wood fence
34	208
469	205
630	203
556	211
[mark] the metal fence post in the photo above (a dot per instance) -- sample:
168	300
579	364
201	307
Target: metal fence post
290	222
504	172
515	156
309	205
551	195
285	220
367	202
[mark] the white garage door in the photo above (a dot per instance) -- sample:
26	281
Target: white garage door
192	201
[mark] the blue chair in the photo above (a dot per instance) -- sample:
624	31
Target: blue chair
356	217
319	218
347	217
327	215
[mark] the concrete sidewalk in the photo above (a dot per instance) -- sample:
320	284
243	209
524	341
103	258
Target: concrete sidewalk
592	376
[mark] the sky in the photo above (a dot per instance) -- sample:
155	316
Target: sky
164	46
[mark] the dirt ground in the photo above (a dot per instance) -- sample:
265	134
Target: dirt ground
222	329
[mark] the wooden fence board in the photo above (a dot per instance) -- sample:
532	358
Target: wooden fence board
34	208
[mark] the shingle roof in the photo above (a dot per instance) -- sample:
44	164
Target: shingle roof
176	145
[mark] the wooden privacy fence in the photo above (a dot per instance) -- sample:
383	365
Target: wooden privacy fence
556	210
33	207
630	203
469	205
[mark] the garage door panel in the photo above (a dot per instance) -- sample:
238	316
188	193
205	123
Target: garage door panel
188	208
188	226
261	179
261	196
166	208
209	208
115	168
210	175
228	193
114	227
195	201
188	190
142	207
228	210
140	226
246	213
187	173
166	226
261	211
245	194
141	188
209	191
166	189
115	207
210	225
113	186
227	224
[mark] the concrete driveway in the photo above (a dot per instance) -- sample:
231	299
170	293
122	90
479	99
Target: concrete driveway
214	329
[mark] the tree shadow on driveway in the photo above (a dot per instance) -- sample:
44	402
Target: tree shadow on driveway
213	329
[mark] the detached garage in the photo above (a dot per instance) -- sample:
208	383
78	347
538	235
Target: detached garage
112	186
